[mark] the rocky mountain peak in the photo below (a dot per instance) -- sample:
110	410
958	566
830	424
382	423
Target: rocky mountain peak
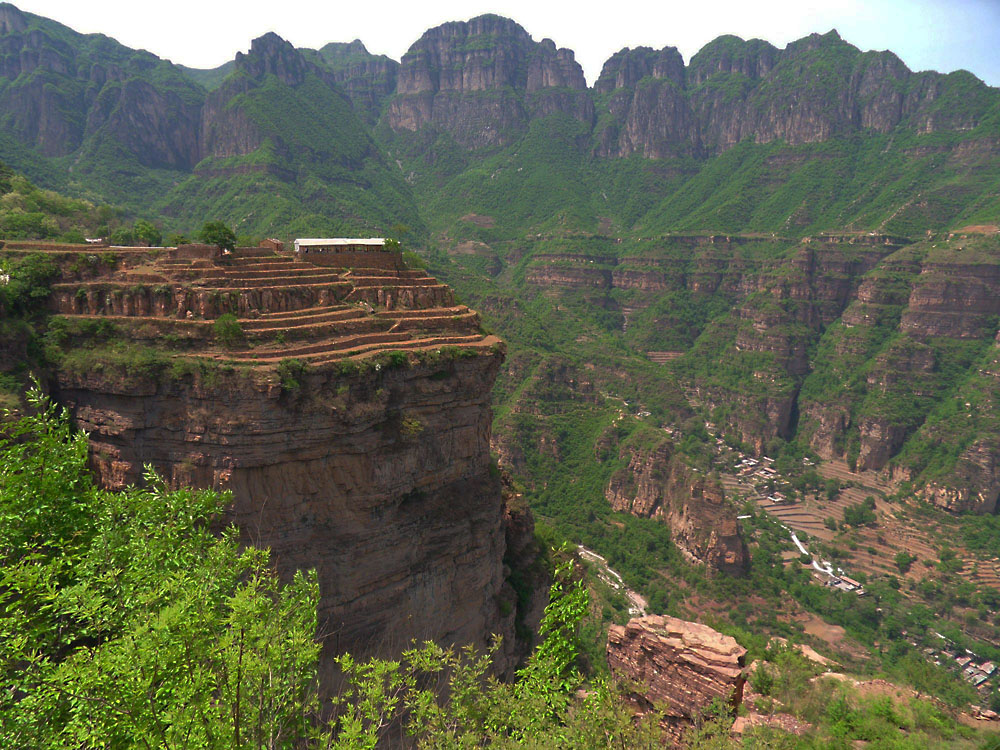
272	55
627	67
488	24
752	58
554	67
11	19
814	42
366	78
357	47
486	54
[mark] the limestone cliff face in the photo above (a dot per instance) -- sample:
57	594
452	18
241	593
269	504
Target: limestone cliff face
657	484
366	78
482	80
380	481
680	667
230	130
66	89
923	311
643	91
816	88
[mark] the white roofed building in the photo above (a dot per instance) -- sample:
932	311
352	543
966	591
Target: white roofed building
347	252
339	244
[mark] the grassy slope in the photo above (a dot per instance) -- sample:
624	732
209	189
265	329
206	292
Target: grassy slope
313	173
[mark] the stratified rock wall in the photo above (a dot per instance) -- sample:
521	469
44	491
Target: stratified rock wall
381	481
482	80
478	81
657	484
681	667
64	88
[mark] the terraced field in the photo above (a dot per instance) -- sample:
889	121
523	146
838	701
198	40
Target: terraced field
284	308
872	550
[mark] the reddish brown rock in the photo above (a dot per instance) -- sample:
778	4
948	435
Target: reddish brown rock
380	481
483	80
375	472
658	484
681	667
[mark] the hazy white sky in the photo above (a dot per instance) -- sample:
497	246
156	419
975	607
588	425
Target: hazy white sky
927	34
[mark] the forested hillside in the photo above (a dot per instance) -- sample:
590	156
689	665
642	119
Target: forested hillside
750	304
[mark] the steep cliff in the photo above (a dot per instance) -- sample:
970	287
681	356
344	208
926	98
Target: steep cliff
278	126
906	381
657	483
67	90
353	440
817	88
676	666
87	115
481	81
366	78
643	106
865	346
381	482
730	142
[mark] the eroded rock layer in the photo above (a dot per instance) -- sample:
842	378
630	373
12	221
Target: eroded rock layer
680	667
380	481
658	484
347	410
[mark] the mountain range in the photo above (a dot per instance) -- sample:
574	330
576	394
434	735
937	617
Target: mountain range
645	238
282	139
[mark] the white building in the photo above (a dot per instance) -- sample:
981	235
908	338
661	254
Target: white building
306	246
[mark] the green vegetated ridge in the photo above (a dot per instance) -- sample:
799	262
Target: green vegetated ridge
306	160
586	264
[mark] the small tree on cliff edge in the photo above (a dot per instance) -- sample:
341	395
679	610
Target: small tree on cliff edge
148	233
217	233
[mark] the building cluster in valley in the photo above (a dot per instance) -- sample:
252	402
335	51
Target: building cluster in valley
763	470
768	483
975	670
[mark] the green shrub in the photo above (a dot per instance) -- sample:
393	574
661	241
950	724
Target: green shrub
228	330
396	359
290	373
411	427
25	283
862	514
904	561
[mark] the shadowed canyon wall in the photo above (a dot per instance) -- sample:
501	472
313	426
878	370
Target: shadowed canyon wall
381	481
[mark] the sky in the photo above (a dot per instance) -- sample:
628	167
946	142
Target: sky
942	35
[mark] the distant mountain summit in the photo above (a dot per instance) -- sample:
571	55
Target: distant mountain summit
338	138
483	80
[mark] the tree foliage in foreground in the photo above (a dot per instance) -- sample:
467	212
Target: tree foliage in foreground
126	622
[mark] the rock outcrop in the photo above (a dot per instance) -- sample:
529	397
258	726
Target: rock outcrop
658	484
817	88
482	80
369	80
927	313
66	89
381	482
353	440
680	667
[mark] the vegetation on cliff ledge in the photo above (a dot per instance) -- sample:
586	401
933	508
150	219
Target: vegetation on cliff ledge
126	622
